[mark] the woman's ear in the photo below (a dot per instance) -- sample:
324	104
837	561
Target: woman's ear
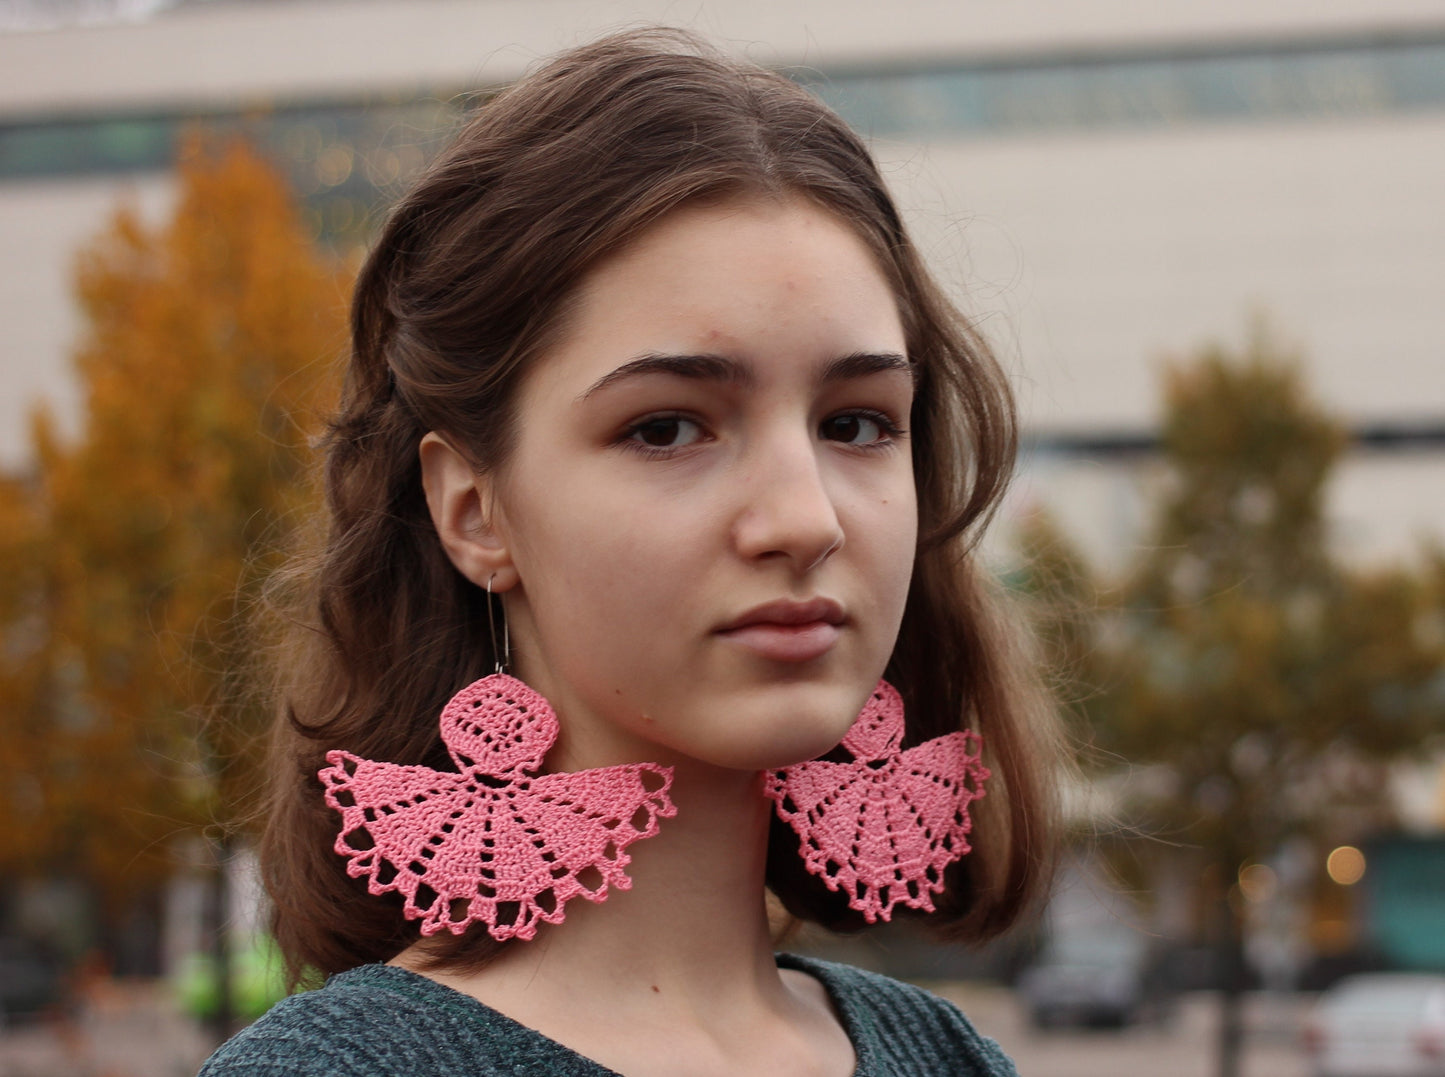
460	501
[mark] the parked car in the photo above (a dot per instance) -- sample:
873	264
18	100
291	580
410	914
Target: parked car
1102	978
1383	1024
31	979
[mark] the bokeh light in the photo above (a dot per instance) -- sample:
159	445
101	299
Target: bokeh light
1346	865
1258	882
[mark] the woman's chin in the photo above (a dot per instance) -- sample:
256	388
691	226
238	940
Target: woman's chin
810	726
756	727
768	750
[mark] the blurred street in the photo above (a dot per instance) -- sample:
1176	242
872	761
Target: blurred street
132	1030
1184	1047
123	1028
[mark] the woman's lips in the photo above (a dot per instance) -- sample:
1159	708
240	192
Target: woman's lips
788	631
786	643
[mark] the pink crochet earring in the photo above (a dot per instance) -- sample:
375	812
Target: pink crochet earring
492	842
882	827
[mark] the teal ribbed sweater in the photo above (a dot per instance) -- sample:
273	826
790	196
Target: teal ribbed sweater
382	1021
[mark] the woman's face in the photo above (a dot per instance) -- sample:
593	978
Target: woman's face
709	511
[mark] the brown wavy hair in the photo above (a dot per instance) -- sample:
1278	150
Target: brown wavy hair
466	287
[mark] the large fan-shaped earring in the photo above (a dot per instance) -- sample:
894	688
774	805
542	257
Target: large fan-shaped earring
881	828
492	841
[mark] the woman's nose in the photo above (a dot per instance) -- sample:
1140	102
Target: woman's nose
787	511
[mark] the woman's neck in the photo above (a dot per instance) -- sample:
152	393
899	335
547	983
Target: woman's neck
696	903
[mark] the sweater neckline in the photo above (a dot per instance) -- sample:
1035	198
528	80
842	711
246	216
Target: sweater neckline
845	1006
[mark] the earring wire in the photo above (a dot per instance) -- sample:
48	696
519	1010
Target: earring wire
503	658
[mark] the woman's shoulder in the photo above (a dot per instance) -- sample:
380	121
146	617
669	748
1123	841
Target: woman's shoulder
899	1028
379	1021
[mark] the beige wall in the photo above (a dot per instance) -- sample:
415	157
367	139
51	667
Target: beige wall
1093	257
1381	507
228	52
42	226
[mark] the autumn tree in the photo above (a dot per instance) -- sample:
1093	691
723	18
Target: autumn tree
22	638
129	714
1264	685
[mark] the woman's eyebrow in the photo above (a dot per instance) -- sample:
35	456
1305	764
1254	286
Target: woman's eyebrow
719	368
703	367
862	364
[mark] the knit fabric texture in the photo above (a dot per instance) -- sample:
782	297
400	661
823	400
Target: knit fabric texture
489	842
882	827
382	1021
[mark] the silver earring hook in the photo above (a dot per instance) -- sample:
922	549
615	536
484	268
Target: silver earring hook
503	658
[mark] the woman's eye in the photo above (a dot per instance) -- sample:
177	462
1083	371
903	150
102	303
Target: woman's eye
857	429
665	432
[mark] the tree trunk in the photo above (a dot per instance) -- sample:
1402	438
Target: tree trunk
221	1022
1231	996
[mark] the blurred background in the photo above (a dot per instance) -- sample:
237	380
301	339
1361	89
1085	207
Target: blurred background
1206	241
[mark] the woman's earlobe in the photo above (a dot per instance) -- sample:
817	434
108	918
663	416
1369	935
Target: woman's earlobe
462	511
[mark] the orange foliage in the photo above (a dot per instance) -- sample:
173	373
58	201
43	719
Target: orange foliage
22	635
206	365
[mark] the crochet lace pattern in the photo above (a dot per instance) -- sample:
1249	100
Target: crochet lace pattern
490	842
882	827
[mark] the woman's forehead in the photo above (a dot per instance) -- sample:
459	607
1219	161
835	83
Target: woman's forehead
739	280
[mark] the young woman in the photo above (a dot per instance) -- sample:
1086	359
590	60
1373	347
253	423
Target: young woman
649	588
